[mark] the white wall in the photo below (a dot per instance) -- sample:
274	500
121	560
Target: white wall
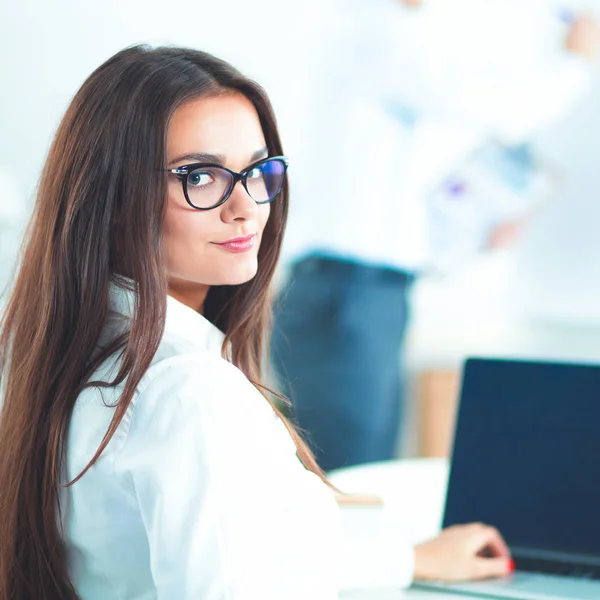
559	274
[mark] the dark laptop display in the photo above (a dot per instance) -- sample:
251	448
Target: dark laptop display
527	460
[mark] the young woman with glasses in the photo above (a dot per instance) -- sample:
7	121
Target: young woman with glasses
139	455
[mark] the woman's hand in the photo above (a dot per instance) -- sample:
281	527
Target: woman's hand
463	553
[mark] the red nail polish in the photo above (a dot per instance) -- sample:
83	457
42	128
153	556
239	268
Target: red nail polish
511	566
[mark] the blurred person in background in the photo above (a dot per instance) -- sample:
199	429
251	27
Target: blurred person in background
404	92
139	454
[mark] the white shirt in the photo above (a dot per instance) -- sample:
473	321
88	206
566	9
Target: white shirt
200	493
463	71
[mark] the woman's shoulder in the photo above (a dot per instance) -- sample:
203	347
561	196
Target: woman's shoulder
205	402
180	364
201	369
202	385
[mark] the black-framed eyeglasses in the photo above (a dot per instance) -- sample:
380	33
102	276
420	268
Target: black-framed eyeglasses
206	186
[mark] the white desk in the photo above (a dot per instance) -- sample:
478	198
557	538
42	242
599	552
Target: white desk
413	493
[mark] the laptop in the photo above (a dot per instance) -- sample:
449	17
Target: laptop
526	459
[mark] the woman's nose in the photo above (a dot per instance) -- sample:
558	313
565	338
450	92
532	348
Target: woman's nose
239	205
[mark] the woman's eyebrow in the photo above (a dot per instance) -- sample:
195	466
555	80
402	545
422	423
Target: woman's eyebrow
219	159
200	157
262	153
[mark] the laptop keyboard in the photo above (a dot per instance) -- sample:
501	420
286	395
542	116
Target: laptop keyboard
524	586
535	579
549	567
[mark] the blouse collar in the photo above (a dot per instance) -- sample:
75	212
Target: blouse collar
181	320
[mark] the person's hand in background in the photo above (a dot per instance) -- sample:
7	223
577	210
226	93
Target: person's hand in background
463	553
505	234
584	37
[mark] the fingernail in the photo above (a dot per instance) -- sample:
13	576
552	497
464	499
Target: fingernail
511	566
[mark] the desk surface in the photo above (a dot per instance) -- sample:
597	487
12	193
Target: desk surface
413	493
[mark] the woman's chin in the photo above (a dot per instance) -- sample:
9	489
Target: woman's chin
241	273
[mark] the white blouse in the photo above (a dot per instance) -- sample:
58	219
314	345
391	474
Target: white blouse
200	493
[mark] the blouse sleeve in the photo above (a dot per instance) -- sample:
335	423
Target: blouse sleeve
372	557
221	493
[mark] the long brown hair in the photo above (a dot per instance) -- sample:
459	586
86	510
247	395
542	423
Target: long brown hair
98	217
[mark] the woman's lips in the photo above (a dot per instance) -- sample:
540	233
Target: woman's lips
239	244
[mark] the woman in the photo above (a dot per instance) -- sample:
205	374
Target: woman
139	455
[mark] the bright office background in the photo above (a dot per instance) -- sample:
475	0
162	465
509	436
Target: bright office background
541	298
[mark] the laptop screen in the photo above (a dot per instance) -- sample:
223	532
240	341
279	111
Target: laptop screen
527	455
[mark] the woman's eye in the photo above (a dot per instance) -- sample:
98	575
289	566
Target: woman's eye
200	179
255	173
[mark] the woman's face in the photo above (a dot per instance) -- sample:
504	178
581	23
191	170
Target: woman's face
224	130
